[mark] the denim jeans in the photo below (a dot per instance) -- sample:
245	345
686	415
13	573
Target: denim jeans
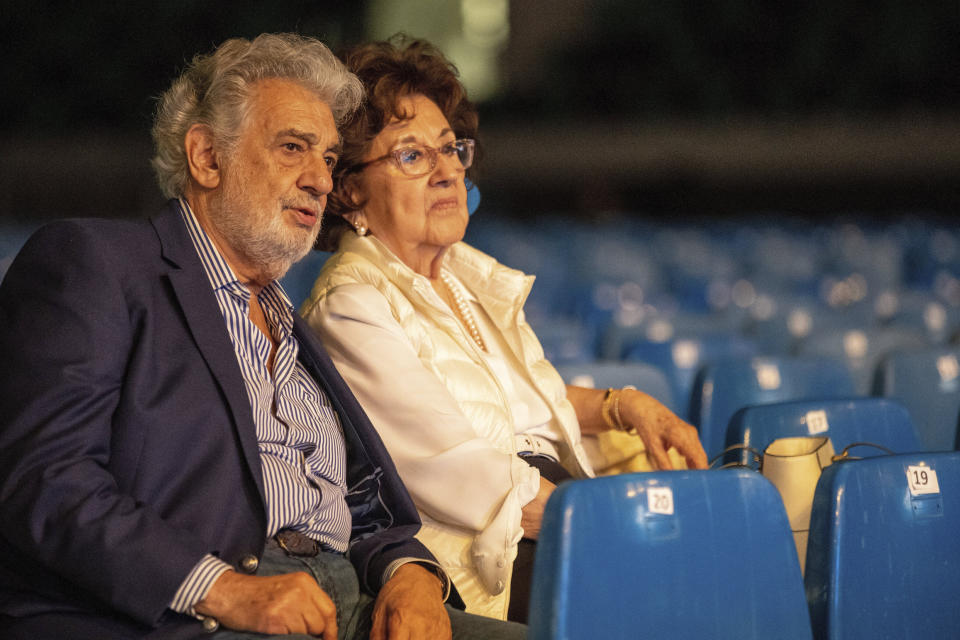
337	577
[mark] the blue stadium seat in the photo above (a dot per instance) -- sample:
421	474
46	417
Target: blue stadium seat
882	558
724	387
602	374
12	237
681	554
921	310
847	420
681	358
564	341
927	382
862	349
785	323
299	280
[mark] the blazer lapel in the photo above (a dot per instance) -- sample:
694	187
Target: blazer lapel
205	322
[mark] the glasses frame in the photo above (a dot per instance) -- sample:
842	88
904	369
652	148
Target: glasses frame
432	155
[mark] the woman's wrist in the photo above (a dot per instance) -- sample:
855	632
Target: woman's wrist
611	410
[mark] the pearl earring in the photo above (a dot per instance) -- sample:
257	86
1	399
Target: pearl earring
361	229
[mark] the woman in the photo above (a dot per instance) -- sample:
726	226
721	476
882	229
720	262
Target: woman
430	334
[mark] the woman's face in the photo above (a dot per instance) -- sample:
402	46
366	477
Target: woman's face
414	217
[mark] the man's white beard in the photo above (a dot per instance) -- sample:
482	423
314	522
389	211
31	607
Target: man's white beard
262	236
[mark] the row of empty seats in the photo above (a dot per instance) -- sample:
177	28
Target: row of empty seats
709	554
924	383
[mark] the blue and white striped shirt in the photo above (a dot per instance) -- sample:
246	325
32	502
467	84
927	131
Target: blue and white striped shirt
302	449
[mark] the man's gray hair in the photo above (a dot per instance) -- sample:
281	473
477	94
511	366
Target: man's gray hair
215	90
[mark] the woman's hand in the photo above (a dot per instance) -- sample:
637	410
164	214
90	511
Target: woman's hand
660	429
657	426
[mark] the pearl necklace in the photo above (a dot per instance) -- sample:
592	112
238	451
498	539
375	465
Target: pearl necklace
463	307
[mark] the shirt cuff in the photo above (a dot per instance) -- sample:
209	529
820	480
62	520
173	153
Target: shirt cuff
197	584
429	565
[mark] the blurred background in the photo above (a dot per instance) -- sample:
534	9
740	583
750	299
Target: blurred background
647	107
666	167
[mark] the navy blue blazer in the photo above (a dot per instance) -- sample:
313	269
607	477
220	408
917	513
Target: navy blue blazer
127	444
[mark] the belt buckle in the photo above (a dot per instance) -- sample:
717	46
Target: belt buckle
297	544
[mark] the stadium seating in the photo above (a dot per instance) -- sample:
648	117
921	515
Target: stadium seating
12	237
862	348
299	280
927	382
845	421
682	357
683	554
724	387
601	375
882	557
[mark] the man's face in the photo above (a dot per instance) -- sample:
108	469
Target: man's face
274	186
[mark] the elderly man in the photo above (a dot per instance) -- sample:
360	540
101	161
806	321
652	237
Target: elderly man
179	455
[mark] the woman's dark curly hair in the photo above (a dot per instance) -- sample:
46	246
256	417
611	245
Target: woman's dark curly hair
390	70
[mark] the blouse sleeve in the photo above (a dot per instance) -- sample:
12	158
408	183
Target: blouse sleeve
453	475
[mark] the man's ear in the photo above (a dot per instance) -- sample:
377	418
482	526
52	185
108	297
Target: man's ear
201	156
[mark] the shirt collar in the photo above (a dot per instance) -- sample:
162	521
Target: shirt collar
222	277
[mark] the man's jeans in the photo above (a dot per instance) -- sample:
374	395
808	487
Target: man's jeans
337	577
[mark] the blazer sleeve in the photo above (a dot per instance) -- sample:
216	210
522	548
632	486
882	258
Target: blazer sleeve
66	339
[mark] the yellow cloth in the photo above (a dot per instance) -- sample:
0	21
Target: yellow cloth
625	453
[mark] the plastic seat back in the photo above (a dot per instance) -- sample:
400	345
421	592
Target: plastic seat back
862	348
681	358
12	237
564	341
927	382
724	387
298	280
684	554
883	559
847	420
602	374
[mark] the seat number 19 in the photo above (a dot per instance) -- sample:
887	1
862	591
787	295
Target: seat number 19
922	480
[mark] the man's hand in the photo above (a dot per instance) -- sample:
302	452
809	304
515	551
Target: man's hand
410	606
288	603
660	429
532	513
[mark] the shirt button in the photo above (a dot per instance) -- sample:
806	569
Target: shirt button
499	585
210	625
500	563
249	563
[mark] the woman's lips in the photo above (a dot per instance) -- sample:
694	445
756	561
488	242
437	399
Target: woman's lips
446	203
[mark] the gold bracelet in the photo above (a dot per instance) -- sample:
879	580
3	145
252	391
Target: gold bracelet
605	409
617	420
610	410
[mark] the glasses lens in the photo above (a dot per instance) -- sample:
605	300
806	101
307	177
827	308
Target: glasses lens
413	161
464	149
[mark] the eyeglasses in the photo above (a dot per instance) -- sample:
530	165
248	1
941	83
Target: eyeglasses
419	159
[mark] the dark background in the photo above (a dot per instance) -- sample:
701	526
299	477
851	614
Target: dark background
706	108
